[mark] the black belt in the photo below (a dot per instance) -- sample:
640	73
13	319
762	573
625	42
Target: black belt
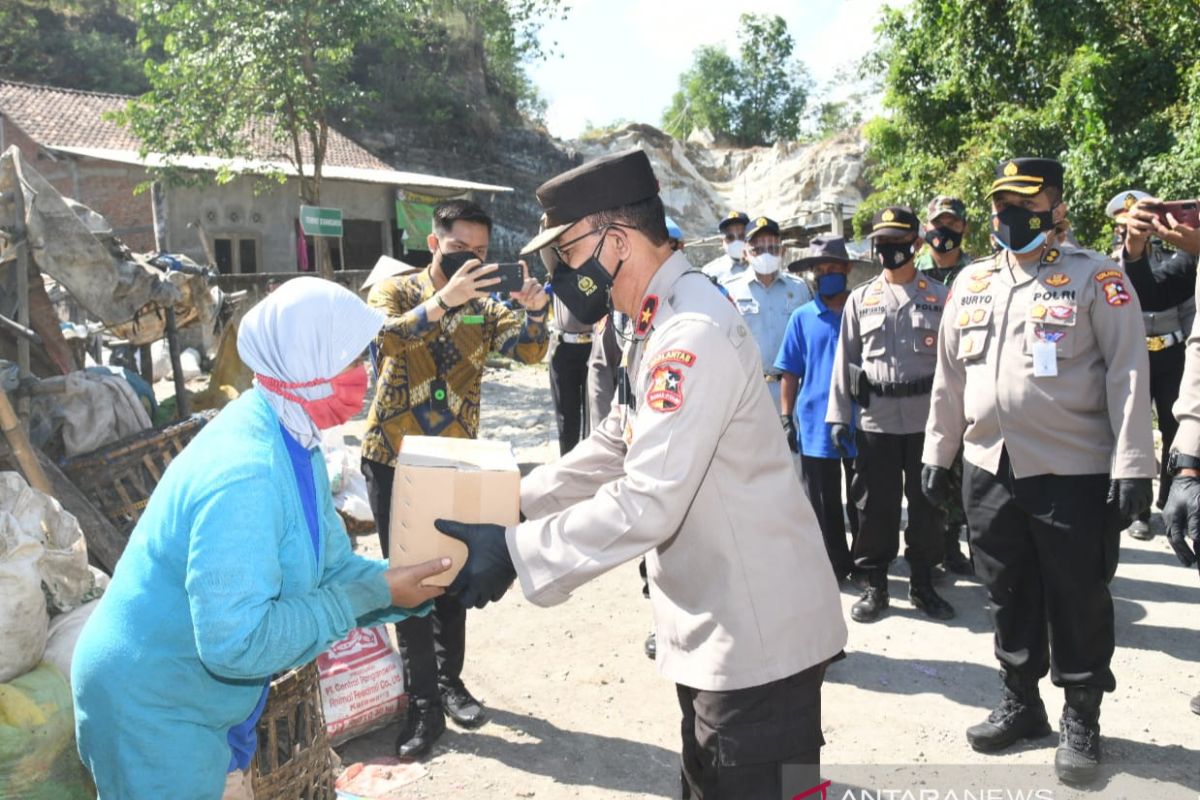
903	388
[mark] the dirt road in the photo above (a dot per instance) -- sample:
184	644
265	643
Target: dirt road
577	711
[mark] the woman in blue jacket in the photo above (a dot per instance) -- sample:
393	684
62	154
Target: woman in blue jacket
239	568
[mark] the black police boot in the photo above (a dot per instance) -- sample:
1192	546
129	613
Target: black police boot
923	597
955	561
465	710
1020	715
651	646
1196	704
424	725
874	600
1077	760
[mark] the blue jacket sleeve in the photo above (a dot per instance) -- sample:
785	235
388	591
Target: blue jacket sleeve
244	629
343	566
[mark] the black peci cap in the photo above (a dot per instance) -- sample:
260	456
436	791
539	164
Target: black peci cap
609	182
733	218
1027	176
894	220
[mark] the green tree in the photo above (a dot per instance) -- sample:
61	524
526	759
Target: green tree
758	99
227	65
1110	87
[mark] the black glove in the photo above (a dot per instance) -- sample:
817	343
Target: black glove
1129	497
935	485
789	430
489	569
839	434
1182	515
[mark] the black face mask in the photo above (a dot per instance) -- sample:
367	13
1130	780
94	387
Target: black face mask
453	262
894	255
1021	230
586	291
942	239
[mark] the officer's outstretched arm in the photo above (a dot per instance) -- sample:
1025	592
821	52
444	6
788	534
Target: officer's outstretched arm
695	380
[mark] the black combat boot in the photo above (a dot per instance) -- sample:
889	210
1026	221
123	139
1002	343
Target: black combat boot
1020	715
1077	760
923	597
460	706
955	561
423	725
874	600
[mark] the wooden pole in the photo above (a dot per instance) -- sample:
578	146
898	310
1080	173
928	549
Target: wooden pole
14	432
161	244
21	242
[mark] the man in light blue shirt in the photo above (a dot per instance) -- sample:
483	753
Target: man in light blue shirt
806	362
733	262
766	297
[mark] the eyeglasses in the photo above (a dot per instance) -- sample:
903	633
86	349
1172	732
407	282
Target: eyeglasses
733	237
762	249
559	248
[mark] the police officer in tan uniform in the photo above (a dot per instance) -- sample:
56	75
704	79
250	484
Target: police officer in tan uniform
1182	509
745	606
886	356
1043	380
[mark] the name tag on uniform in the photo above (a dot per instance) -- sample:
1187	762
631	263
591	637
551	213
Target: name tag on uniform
748	306
471	319
1045	359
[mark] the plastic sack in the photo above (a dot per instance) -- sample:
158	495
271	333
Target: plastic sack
362	684
64	633
36	517
38	758
23	617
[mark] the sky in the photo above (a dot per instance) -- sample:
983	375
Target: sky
621	59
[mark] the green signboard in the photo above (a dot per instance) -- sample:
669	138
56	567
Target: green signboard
416	219
316	221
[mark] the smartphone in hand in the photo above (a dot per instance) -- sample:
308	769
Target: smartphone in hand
512	277
1185	212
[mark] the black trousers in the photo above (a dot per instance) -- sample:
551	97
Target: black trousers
433	647
568	387
1166	374
822	479
887	468
736	743
1046	547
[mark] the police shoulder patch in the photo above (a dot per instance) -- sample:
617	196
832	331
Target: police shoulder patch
685	357
1109	274
666	387
1115	294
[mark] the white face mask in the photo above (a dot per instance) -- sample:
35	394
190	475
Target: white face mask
765	263
734	249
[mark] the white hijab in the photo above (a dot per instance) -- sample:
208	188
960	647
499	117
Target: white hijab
308	329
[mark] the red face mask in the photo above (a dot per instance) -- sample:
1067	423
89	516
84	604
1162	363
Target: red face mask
349	392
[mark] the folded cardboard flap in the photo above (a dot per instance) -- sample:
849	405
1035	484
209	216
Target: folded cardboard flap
466	480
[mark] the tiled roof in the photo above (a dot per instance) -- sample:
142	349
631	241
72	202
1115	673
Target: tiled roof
55	117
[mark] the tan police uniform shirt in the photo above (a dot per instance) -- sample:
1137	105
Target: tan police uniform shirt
1187	407
894	341
698	477
1007	327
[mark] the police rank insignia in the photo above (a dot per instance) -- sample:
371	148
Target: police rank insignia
646	315
1052	256
1115	294
921	284
1057	279
666	387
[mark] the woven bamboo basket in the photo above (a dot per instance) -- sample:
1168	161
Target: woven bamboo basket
120	477
293	761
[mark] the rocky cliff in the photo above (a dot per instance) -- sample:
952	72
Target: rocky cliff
790	181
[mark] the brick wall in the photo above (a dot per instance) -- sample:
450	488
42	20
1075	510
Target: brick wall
104	186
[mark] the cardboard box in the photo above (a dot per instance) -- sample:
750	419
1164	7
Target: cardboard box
466	480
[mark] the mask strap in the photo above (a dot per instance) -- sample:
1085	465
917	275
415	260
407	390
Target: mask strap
276	386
